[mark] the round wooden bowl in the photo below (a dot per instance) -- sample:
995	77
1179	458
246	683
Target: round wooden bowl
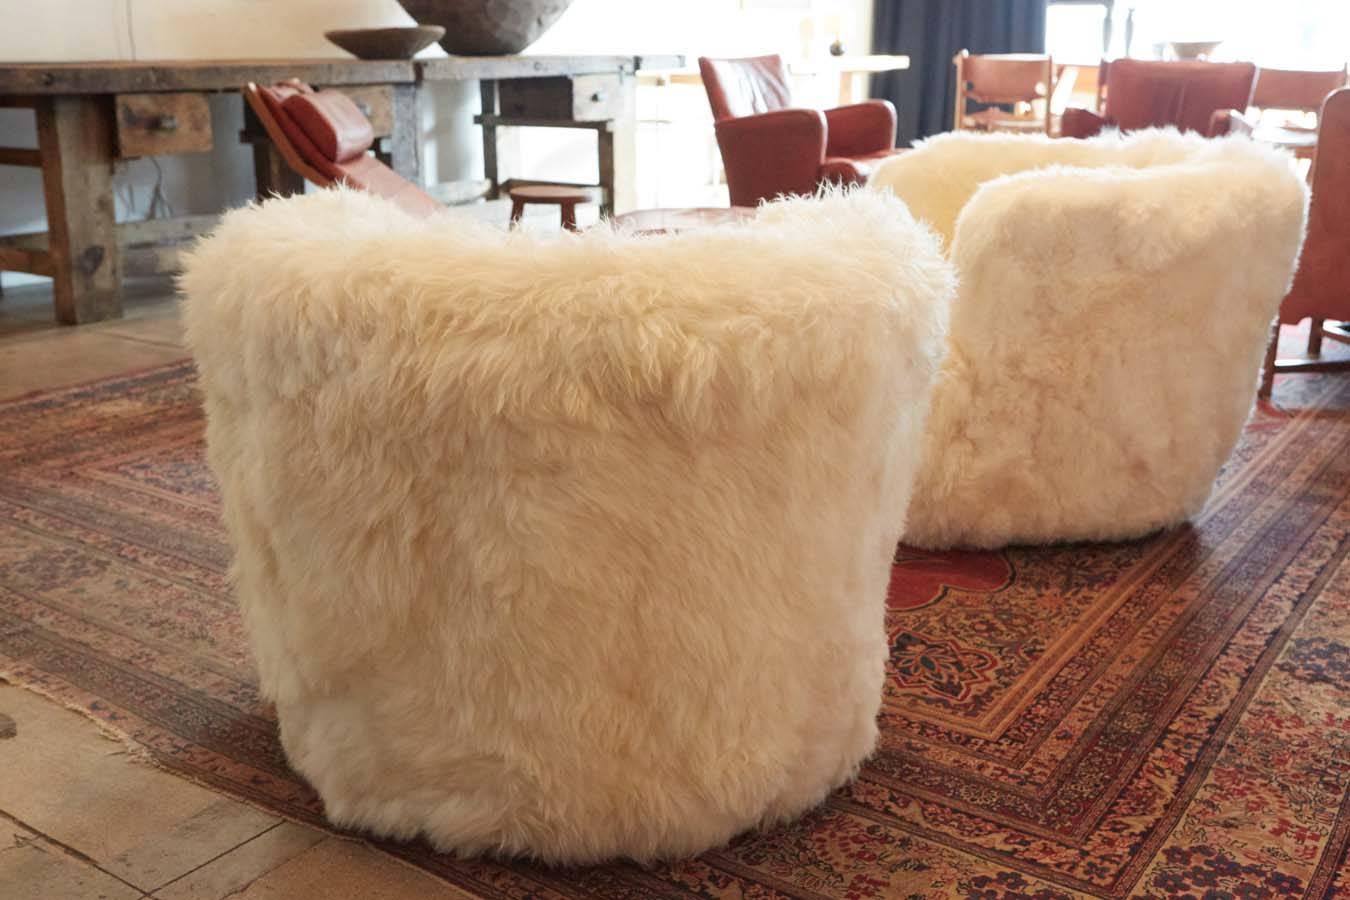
488	27
386	43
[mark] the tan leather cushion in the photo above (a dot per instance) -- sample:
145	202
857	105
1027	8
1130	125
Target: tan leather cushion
332	122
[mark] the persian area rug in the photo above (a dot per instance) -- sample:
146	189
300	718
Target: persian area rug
1163	718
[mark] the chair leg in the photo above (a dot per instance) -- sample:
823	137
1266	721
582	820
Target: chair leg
517	210
569	216
1268	369
1315	337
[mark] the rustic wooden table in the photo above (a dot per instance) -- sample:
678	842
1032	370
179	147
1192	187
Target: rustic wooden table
596	93
89	115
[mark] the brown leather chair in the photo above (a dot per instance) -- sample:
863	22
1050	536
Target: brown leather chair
325	138
1149	94
1321	289
770	147
994	80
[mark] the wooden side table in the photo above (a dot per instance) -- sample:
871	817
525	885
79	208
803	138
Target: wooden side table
562	196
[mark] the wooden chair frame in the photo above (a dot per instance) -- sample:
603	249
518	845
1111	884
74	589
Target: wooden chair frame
994	95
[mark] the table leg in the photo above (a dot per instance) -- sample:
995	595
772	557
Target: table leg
405	144
488	90
618	153
75	138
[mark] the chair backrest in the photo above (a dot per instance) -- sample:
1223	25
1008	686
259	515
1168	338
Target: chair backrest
1151	94
1295	89
1004	77
745	87
1322	286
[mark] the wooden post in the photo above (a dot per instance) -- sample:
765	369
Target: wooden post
604	145
405	141
488	90
75	137
618	152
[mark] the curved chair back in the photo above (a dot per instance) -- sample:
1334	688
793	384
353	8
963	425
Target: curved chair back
537	537
1079	400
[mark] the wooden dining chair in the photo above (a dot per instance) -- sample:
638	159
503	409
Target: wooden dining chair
1134	94
1321	290
1021	81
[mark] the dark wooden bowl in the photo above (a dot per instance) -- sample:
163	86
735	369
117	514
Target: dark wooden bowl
386	43
487	27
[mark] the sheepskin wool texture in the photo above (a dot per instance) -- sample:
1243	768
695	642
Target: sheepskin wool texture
1115	301
569	546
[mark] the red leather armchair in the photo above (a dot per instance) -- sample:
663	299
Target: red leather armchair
1150	94
771	148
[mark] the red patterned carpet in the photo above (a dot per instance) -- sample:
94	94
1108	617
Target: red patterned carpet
1167	718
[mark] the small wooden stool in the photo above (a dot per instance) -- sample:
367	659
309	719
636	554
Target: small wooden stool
555	194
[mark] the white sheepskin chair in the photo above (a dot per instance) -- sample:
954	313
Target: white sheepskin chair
1115	301
568	546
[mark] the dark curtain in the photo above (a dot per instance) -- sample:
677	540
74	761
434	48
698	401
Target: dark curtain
930	33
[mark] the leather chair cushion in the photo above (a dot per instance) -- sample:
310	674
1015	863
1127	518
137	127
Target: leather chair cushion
332	122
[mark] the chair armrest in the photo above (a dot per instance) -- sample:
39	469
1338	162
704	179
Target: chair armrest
1229	121
1081	123
860	129
773	153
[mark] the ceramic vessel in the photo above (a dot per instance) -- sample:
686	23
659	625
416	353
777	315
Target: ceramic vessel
487	27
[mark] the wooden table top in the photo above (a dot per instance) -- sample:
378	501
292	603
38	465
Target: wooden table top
463	68
1286	138
148	76
825	65
120	77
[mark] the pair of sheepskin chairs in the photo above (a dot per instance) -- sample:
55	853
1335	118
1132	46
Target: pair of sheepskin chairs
577	547
1115	301
574	547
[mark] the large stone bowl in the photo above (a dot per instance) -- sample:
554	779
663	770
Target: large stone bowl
487	27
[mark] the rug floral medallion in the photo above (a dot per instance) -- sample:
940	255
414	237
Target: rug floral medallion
1162	718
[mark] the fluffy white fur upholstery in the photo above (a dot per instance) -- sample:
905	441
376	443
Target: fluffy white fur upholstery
571	546
1115	298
